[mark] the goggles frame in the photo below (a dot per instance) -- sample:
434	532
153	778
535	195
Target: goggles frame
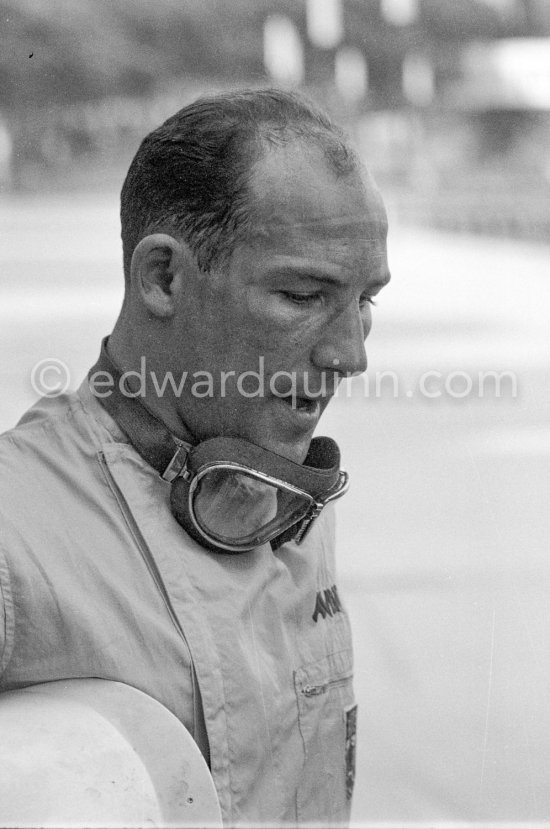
313	506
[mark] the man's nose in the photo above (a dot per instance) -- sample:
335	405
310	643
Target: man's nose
341	347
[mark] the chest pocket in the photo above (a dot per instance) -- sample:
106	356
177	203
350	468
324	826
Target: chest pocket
326	712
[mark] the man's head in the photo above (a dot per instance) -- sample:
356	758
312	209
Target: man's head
253	242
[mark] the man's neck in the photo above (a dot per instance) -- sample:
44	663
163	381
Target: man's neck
162	407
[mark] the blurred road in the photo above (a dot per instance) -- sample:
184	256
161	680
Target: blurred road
444	537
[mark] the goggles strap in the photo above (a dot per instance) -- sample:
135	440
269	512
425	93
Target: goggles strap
154	442
298	532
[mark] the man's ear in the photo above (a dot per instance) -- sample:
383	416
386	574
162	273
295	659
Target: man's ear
156	273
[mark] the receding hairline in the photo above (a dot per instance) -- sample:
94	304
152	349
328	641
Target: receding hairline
274	118
314	157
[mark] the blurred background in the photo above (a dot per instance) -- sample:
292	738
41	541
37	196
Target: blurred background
449	99
444	536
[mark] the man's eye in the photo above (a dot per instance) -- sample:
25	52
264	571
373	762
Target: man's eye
366	300
301	299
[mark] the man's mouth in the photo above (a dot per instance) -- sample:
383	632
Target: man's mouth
306	406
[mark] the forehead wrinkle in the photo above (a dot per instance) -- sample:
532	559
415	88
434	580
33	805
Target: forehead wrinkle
375	232
326	221
370	227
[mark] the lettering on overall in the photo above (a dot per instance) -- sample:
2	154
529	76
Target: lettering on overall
327	603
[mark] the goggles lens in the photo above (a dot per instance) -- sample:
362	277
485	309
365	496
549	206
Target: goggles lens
240	509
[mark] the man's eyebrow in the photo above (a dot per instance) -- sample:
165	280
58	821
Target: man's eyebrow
320	273
316	272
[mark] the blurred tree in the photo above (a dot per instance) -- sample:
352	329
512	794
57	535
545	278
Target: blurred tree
85	49
465	20
64	51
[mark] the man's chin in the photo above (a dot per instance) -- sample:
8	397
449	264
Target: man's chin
276	428
295	451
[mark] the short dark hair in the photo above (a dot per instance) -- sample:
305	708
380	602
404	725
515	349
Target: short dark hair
190	176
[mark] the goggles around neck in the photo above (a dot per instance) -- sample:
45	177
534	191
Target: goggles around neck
232	496
228	494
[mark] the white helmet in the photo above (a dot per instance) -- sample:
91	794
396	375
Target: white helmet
90	752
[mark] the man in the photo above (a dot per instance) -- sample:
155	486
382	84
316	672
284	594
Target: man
158	524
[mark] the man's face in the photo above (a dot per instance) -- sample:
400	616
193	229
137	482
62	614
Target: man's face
292	305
